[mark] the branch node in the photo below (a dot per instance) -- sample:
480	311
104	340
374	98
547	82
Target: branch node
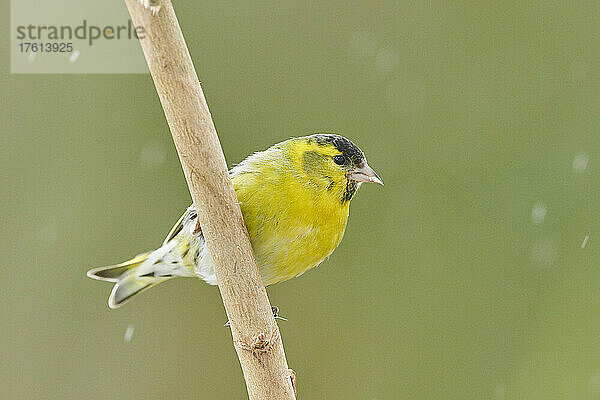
261	343
293	379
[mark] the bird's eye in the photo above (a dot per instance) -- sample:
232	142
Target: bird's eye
339	159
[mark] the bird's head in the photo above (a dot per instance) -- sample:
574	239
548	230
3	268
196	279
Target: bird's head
334	163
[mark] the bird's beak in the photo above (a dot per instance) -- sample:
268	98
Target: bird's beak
364	174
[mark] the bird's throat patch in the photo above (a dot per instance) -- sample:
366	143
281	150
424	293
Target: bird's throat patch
351	187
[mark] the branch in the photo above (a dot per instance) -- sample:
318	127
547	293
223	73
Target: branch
255	333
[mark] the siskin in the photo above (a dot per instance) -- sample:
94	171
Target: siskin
294	198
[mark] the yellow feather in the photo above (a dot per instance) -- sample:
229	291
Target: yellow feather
294	198
293	220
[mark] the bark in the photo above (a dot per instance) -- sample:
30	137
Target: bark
255	333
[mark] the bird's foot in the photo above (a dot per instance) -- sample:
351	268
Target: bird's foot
274	310
276	315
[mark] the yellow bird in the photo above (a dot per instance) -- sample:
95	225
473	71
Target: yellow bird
294	198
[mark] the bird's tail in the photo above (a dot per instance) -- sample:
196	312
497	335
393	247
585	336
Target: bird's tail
128	281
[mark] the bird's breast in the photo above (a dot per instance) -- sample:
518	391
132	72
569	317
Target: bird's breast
291	228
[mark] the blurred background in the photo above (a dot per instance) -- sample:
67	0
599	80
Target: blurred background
473	274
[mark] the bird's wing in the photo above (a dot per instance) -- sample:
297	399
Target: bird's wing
188	215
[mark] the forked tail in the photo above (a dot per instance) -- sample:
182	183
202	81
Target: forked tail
127	280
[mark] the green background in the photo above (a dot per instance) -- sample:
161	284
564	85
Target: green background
462	278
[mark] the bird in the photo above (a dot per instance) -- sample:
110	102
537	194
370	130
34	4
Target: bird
294	198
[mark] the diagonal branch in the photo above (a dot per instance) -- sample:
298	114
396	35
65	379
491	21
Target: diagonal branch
255	333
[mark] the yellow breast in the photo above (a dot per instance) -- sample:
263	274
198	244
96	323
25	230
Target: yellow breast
293	224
